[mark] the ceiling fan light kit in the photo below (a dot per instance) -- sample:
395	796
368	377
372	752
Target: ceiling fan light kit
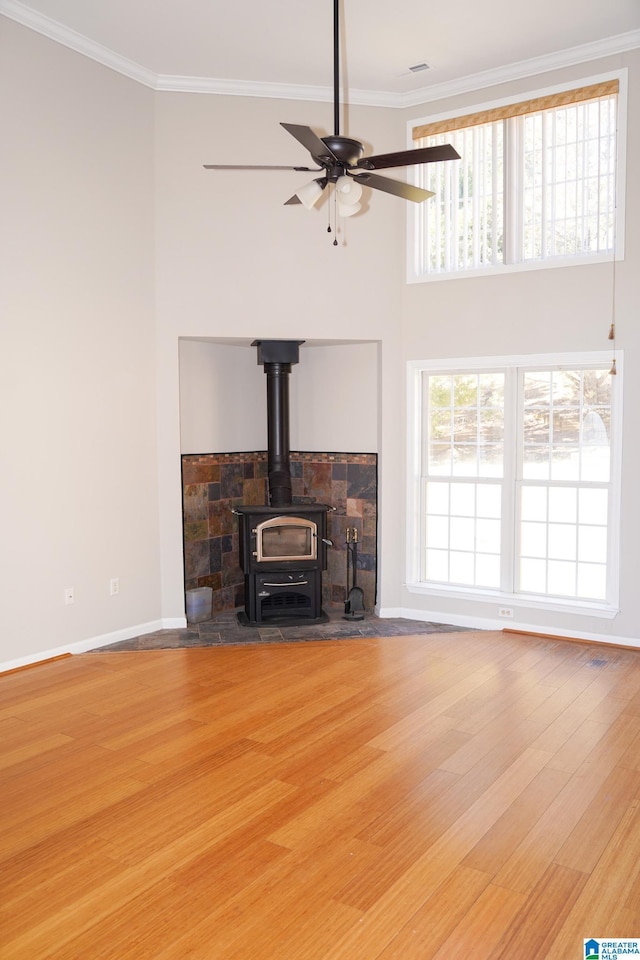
348	190
309	194
348	193
341	162
348	209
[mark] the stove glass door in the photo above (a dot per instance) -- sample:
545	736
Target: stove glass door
286	538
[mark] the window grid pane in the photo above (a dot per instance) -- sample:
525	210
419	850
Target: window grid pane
465	425
566	456
464	413
462	533
563	540
568	171
566	425
462	225
562	531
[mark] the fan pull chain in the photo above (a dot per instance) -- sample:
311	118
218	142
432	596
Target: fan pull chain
335	214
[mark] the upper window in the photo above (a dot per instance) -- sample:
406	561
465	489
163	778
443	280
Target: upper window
536	183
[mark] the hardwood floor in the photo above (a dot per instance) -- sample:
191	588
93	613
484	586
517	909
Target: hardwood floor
443	796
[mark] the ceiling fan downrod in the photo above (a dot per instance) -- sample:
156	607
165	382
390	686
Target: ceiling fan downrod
336	68
344	150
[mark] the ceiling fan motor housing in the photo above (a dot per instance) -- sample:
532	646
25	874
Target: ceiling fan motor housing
344	150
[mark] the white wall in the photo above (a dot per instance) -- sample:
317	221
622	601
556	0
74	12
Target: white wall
333	391
546	311
233	261
222	395
78	492
334	398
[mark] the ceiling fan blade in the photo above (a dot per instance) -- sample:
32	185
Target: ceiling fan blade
407	158
397	187
256	166
310	141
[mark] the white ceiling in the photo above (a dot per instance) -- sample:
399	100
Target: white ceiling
289	42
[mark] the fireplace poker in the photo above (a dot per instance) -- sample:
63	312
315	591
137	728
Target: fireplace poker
354	606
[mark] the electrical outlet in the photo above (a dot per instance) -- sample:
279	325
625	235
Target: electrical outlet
505	611
114	586
68	595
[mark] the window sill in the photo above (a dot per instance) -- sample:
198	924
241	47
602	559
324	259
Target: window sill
582	608
494	270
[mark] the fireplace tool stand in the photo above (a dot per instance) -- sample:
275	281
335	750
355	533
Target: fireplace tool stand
354	606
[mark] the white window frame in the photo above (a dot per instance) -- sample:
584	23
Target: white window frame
413	242
505	596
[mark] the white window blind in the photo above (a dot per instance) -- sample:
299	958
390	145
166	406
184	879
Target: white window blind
536	182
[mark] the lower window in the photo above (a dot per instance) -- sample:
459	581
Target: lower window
515	479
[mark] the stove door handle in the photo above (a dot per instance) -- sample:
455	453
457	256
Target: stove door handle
293	583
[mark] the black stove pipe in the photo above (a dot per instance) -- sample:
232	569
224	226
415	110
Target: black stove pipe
277	357
278	464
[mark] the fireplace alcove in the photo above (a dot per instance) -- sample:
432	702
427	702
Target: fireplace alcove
223	403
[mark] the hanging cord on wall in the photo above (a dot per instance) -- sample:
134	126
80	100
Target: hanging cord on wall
612	328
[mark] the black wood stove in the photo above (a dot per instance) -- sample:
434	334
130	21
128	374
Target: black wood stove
283	546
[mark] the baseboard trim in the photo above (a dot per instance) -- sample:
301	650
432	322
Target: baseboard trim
385	613
93	643
480	623
436	616
173	623
35	663
573	638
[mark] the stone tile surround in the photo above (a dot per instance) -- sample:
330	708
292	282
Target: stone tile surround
212	484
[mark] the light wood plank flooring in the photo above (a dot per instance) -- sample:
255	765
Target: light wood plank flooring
406	798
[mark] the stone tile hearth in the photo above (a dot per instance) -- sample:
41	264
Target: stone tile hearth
224	630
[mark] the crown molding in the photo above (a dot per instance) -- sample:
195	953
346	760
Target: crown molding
76	41
273	91
56	31
525	68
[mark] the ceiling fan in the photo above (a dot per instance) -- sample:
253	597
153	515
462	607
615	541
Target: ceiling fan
339	159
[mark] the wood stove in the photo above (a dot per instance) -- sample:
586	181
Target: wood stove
283	552
283	546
